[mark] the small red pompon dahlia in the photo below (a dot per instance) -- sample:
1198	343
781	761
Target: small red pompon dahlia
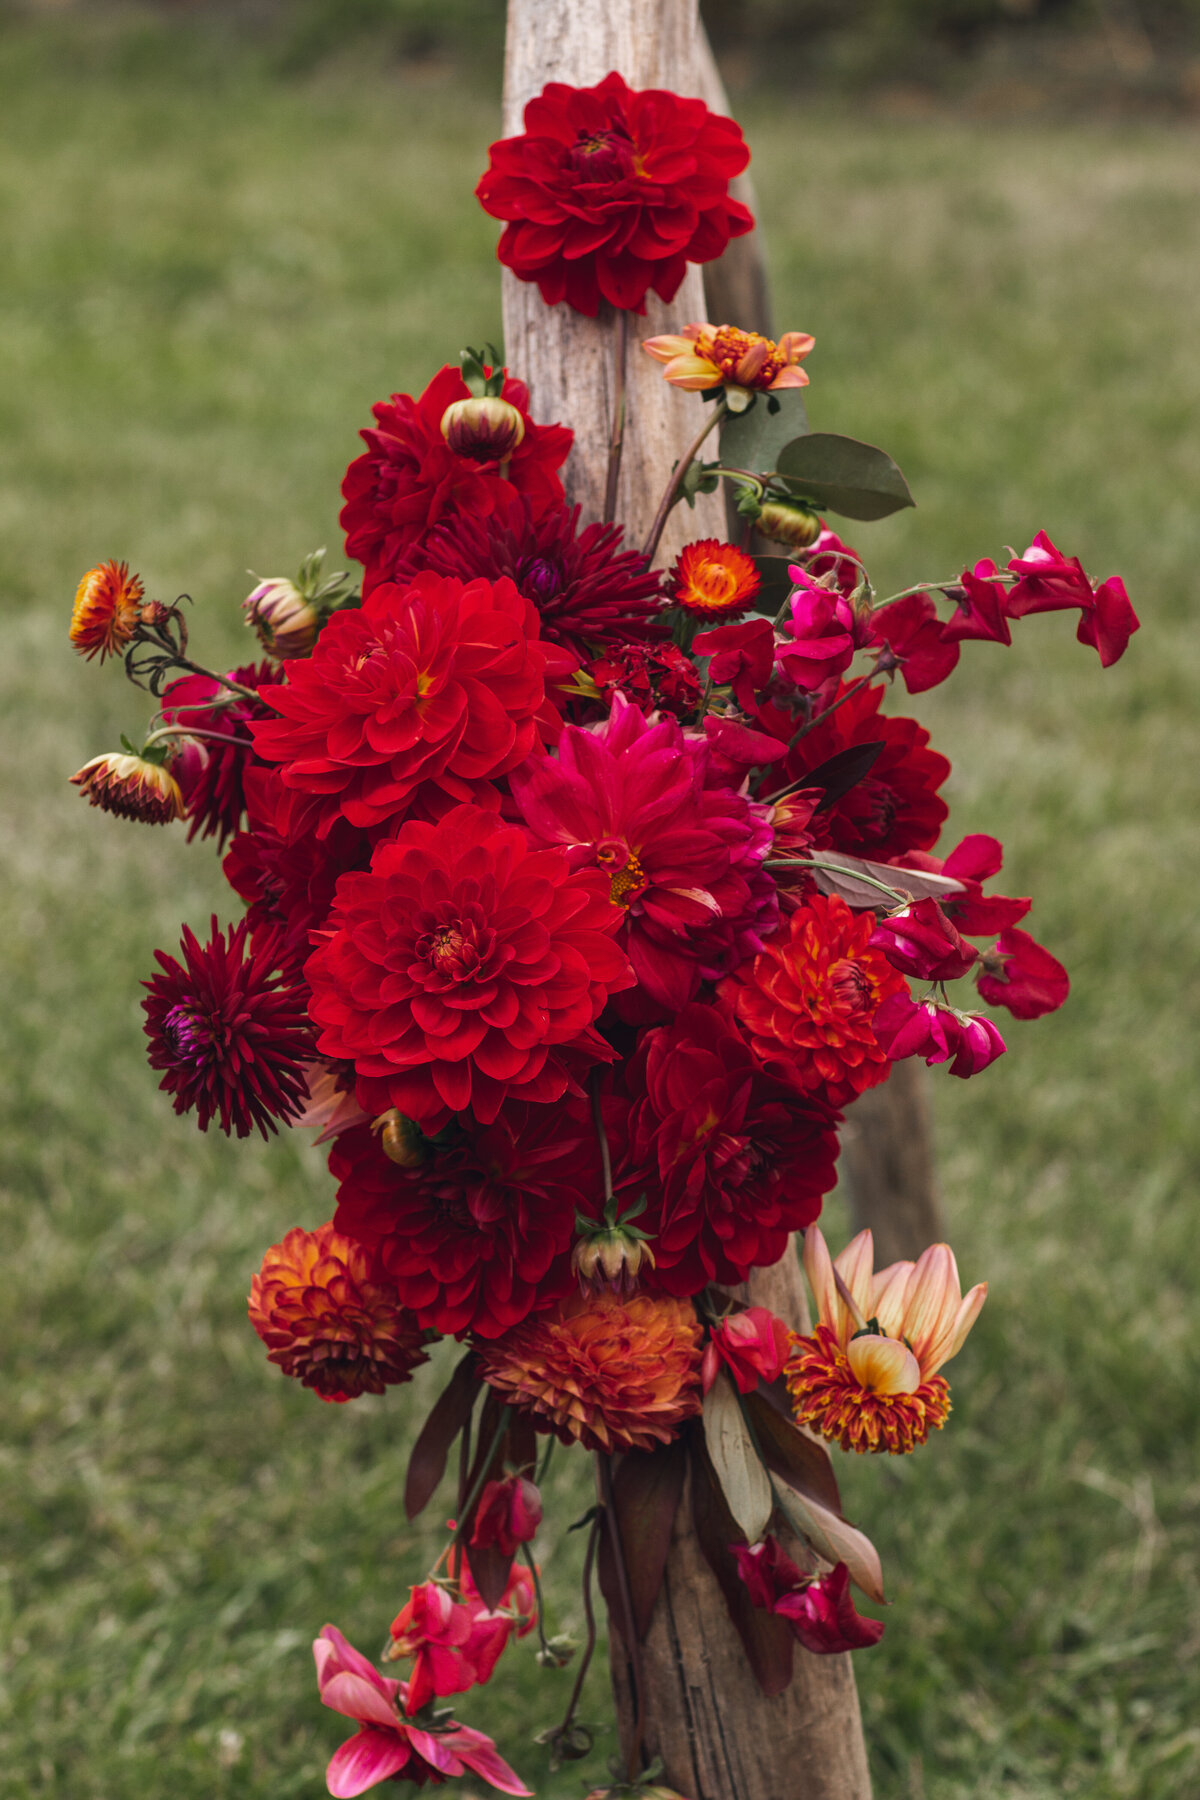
479	1233
653	677
131	787
806	1002
107	610
703	357
714	580
607	1373
611	191
466	968
586	589
230	1033
410	479
437	682
868	1377
212	774
326	1322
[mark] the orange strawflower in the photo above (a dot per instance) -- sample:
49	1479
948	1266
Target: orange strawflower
714	580
325	1320
742	362
868	1378
107	610
607	1373
132	787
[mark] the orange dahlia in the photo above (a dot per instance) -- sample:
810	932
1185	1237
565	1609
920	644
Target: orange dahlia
607	1373
714	580
701	357
325	1321
131	787
108	605
868	1376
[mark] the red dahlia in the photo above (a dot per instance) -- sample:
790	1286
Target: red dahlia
653	677
587	590
466	967
737	1163
230	1032
435	685
479	1234
410	480
611	191
807	1002
212	774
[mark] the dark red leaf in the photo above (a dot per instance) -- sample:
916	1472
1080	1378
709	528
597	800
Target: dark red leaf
451	1410
646	1492
766	1638
491	1569
790	1455
838	774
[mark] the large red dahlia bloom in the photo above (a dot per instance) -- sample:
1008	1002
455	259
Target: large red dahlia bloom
465	967
436	684
684	859
737	1163
410	480
808	1000
479	1234
230	1032
611	191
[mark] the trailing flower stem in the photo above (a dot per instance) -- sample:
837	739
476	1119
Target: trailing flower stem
677	474
630	1623
616	438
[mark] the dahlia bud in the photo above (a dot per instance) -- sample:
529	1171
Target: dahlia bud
557	1652
486	429
287	624
131	787
608	1257
785	523
401	1139
155	613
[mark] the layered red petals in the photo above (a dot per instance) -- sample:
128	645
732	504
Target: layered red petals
937	1034
818	1608
753	1346
913	639
464	968
921	941
1021	974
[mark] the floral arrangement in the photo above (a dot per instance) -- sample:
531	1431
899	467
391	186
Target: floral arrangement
578	900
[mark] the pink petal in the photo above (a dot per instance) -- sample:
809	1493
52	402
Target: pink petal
358	1699
934	1297
366	1758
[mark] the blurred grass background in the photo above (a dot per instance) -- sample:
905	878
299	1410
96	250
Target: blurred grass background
213	265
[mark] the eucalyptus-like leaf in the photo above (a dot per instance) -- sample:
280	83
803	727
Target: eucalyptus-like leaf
834	1539
911	884
739	1469
754	439
842	475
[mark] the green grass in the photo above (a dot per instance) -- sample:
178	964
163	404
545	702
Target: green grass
209	276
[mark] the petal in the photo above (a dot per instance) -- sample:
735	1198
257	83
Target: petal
934	1297
884	1365
889	1297
662	349
358	1699
968	1312
366	1758
855	1264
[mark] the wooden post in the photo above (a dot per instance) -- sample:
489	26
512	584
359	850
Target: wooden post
719	1738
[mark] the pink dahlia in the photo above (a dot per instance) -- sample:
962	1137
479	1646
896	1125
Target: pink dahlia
229	1030
410	479
683	859
478	1234
465	968
438	685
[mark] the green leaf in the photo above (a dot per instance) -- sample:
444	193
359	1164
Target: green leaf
755	439
739	1468
843	476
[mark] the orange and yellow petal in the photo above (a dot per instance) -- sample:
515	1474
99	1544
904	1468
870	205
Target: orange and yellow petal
713	579
828	1397
107	610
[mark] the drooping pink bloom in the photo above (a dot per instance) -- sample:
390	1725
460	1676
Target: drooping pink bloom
387	1745
753	1346
820	626
454	1644
818	1608
742	657
925	1028
1023	976
683	857
828	555
1047	581
1109	623
921	941
508	1514
980	606
916	641
978	1047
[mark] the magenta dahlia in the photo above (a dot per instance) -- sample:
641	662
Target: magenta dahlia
466	967
683	859
229	1030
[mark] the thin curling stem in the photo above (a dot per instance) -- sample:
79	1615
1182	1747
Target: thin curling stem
589	1613
677	474
633	1647
190	731
616	439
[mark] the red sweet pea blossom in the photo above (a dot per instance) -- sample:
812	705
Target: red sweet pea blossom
1048	581
437	685
820	627
455	1645
1023	976
1109	623
742	658
409	479
465	967
971	863
809	1000
936	1033
818	1608
916	641
753	1345
980	606
508	1515
735	1164
611	191
920	940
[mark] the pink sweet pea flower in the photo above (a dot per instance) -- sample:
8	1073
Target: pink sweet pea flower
1021	974
742	657
821	628
454	1644
921	941
818	1608
753	1346
1110	622
978	1047
386	1744
828	555
973	862
980	606
916	640
906	1027
508	1514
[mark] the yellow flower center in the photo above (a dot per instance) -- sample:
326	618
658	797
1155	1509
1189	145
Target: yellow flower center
627	883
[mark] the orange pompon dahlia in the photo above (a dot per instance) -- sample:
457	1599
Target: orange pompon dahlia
868	1377
607	1373
743	363
714	580
131	787
325	1321
107	610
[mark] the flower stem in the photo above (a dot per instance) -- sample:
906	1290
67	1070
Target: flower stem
616	438
806	862
601	1136
188	731
478	1485
677	474
629	1623
589	1614
526	1556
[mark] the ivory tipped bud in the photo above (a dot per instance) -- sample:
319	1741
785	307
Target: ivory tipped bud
487	429
785	523
401	1139
131	787
286	622
609	1256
